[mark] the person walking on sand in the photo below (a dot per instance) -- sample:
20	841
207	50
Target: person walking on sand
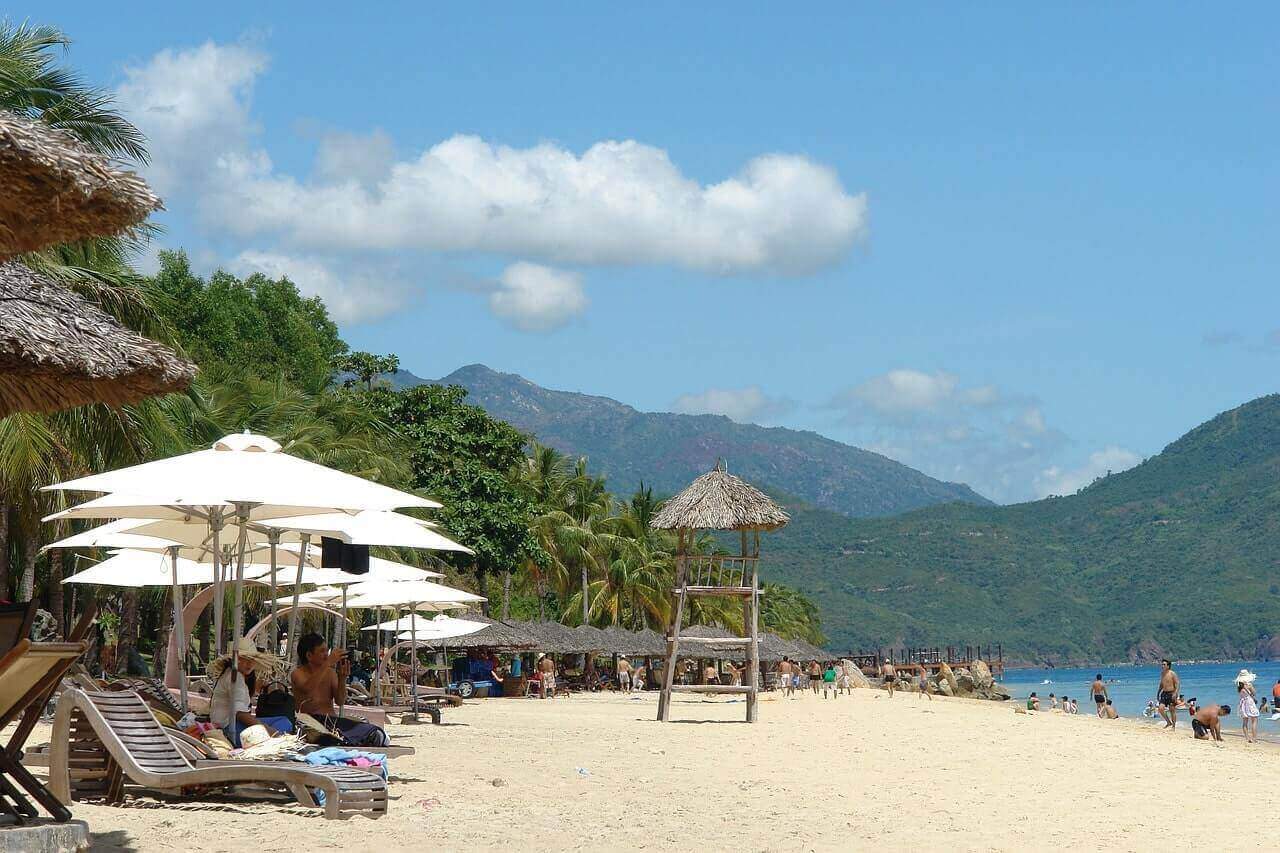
624	674
815	676
1167	694
784	675
926	689
1248	705
829	681
889	674
1100	694
547	676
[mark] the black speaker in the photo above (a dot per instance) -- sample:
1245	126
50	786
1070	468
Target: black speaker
336	554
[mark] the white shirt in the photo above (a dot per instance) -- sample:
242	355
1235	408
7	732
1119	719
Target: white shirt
229	698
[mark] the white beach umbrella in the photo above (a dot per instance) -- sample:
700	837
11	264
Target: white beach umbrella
114	534
136	569
442	628
252	475
405	624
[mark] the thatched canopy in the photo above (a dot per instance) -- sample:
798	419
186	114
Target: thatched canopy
55	190
720	501
499	635
591	639
58	350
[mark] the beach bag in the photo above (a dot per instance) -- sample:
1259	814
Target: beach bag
277	702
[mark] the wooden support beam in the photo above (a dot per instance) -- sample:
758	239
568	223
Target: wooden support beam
713	641
710	688
743	591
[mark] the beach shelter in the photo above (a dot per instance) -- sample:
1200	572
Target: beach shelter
57	349
136	569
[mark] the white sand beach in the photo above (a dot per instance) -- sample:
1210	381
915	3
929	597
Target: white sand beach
598	773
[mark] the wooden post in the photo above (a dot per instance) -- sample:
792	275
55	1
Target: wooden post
753	648
673	631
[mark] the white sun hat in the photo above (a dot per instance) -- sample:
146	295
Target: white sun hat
1246	676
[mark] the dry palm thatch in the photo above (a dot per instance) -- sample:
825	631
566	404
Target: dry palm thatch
498	635
591	639
645	643
57	350
720	501
55	190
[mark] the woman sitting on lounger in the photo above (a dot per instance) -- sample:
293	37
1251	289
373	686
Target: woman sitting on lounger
233	690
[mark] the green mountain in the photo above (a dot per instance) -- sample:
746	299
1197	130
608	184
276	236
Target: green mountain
1178	556
667	451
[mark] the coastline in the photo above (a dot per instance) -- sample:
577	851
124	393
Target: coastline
597	772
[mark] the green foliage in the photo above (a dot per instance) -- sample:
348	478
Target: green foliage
461	457
365	367
254	325
1174	556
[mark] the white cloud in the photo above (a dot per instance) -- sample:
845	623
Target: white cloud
534	298
616	203
906	393
350	296
1110	460
194	106
745	405
997	442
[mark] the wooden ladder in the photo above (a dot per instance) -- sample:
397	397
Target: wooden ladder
750	595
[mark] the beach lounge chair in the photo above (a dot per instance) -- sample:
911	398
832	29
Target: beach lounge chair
102	738
36	708
15	624
27	672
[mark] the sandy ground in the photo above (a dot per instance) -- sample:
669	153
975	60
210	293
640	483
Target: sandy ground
598	773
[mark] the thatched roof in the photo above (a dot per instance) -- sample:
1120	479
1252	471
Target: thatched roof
720	501
499	635
55	190
646	643
58	350
591	639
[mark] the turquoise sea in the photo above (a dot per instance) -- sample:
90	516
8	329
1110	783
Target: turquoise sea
1131	687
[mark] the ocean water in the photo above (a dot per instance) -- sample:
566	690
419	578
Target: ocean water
1131	687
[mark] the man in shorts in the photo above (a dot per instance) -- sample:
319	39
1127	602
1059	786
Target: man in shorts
1100	697
547	676
624	674
1208	721
889	674
1167	694
784	675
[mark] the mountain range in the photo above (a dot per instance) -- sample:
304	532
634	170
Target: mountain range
667	451
1176	556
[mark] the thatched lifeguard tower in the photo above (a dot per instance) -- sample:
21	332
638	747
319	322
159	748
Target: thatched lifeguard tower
717	501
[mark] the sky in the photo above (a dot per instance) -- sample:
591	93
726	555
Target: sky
1007	244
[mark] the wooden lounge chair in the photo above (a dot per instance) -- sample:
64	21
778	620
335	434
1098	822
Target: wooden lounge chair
101	738
27	672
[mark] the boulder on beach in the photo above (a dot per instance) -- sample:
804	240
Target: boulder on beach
856	678
944	687
945	674
966	683
982	674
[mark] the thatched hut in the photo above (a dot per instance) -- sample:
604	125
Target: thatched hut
58	350
499	635
55	190
717	501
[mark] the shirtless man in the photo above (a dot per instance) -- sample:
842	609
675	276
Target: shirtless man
1208	721
784	675
624	674
1100	695
1167	694
709	674
889	674
1109	712
547	676
320	685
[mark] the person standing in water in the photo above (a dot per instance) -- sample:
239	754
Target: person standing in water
1100	695
1167	694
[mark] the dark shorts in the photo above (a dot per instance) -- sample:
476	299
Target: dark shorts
1199	728
1100	698
1167	699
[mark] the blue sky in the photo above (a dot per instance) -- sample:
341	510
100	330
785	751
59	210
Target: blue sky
1007	245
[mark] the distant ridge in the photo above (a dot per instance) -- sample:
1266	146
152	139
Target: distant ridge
668	450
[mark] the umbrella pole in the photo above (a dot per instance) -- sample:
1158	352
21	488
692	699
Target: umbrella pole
377	643
274	538
413	667
237	615
297	591
180	632
215	527
342	626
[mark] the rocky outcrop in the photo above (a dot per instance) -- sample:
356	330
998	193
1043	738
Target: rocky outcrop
982	674
945	674
856	678
974	682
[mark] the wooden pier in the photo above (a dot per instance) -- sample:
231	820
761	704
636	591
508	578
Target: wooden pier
930	660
